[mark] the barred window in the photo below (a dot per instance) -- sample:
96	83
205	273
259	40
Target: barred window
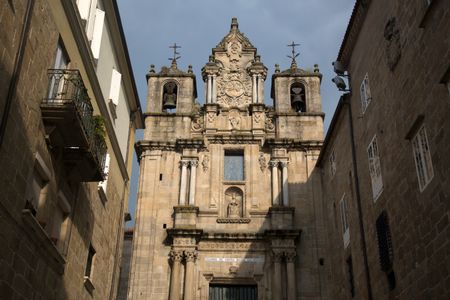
422	158
375	168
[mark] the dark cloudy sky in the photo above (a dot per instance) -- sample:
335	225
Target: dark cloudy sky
198	25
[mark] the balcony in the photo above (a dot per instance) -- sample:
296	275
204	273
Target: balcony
70	125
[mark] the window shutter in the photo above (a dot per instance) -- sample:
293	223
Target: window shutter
114	90
104	183
84	7
91	19
97	33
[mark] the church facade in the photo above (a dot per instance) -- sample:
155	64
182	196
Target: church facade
229	202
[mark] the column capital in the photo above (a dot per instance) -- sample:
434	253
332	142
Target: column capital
277	255
184	163
176	255
290	255
284	163
190	255
193	163
273	163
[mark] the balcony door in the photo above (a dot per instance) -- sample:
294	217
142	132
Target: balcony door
58	86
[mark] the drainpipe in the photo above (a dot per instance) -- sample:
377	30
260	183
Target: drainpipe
358	195
17	67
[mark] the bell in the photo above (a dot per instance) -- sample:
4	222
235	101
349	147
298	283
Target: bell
298	103
169	102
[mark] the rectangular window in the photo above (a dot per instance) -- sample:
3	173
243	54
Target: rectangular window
333	163
58	82
90	262
36	193
365	93
375	168
234	165
422	158
351	280
60	220
344	221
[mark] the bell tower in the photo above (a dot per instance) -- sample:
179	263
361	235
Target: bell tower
171	90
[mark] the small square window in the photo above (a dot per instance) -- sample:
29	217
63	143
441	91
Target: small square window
422	158
234	165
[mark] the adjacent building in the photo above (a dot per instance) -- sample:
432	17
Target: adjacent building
228	200
69	110
385	165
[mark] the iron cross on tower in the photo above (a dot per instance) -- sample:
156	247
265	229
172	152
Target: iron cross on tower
175	53
294	54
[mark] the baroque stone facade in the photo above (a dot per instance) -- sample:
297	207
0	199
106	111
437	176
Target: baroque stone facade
227	194
387	207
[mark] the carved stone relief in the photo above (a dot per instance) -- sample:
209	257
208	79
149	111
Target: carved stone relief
205	163
262	162
393	49
233	198
270	126
197	123
234	119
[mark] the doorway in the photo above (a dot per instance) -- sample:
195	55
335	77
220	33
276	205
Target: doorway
232	292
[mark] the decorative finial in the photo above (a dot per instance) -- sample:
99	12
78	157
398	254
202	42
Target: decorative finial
212	59
294	55
258	58
175	53
277	68
190	69
234	24
152	69
316	68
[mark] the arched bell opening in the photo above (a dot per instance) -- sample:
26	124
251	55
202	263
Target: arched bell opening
170	92
298	97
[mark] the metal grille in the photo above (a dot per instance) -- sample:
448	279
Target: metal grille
233	292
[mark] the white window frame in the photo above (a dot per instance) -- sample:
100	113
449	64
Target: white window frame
365	93
343	208
332	161
422	158
375	168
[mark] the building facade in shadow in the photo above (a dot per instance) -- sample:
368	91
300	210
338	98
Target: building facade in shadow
68	110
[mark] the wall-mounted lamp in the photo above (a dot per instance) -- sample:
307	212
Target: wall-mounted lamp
338	80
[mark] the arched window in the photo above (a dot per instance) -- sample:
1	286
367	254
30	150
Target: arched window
298	97
170	92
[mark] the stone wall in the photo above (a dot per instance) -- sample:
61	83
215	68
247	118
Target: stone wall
405	73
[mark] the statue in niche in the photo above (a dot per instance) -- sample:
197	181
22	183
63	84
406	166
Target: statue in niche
234	199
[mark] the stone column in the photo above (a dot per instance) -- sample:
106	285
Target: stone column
260	87
290	270
189	276
255	90
175	257
184	165
284	176
194	164
275	193
209	89
277	257
214	89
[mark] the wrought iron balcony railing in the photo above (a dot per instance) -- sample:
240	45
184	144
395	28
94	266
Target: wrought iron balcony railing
68	107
